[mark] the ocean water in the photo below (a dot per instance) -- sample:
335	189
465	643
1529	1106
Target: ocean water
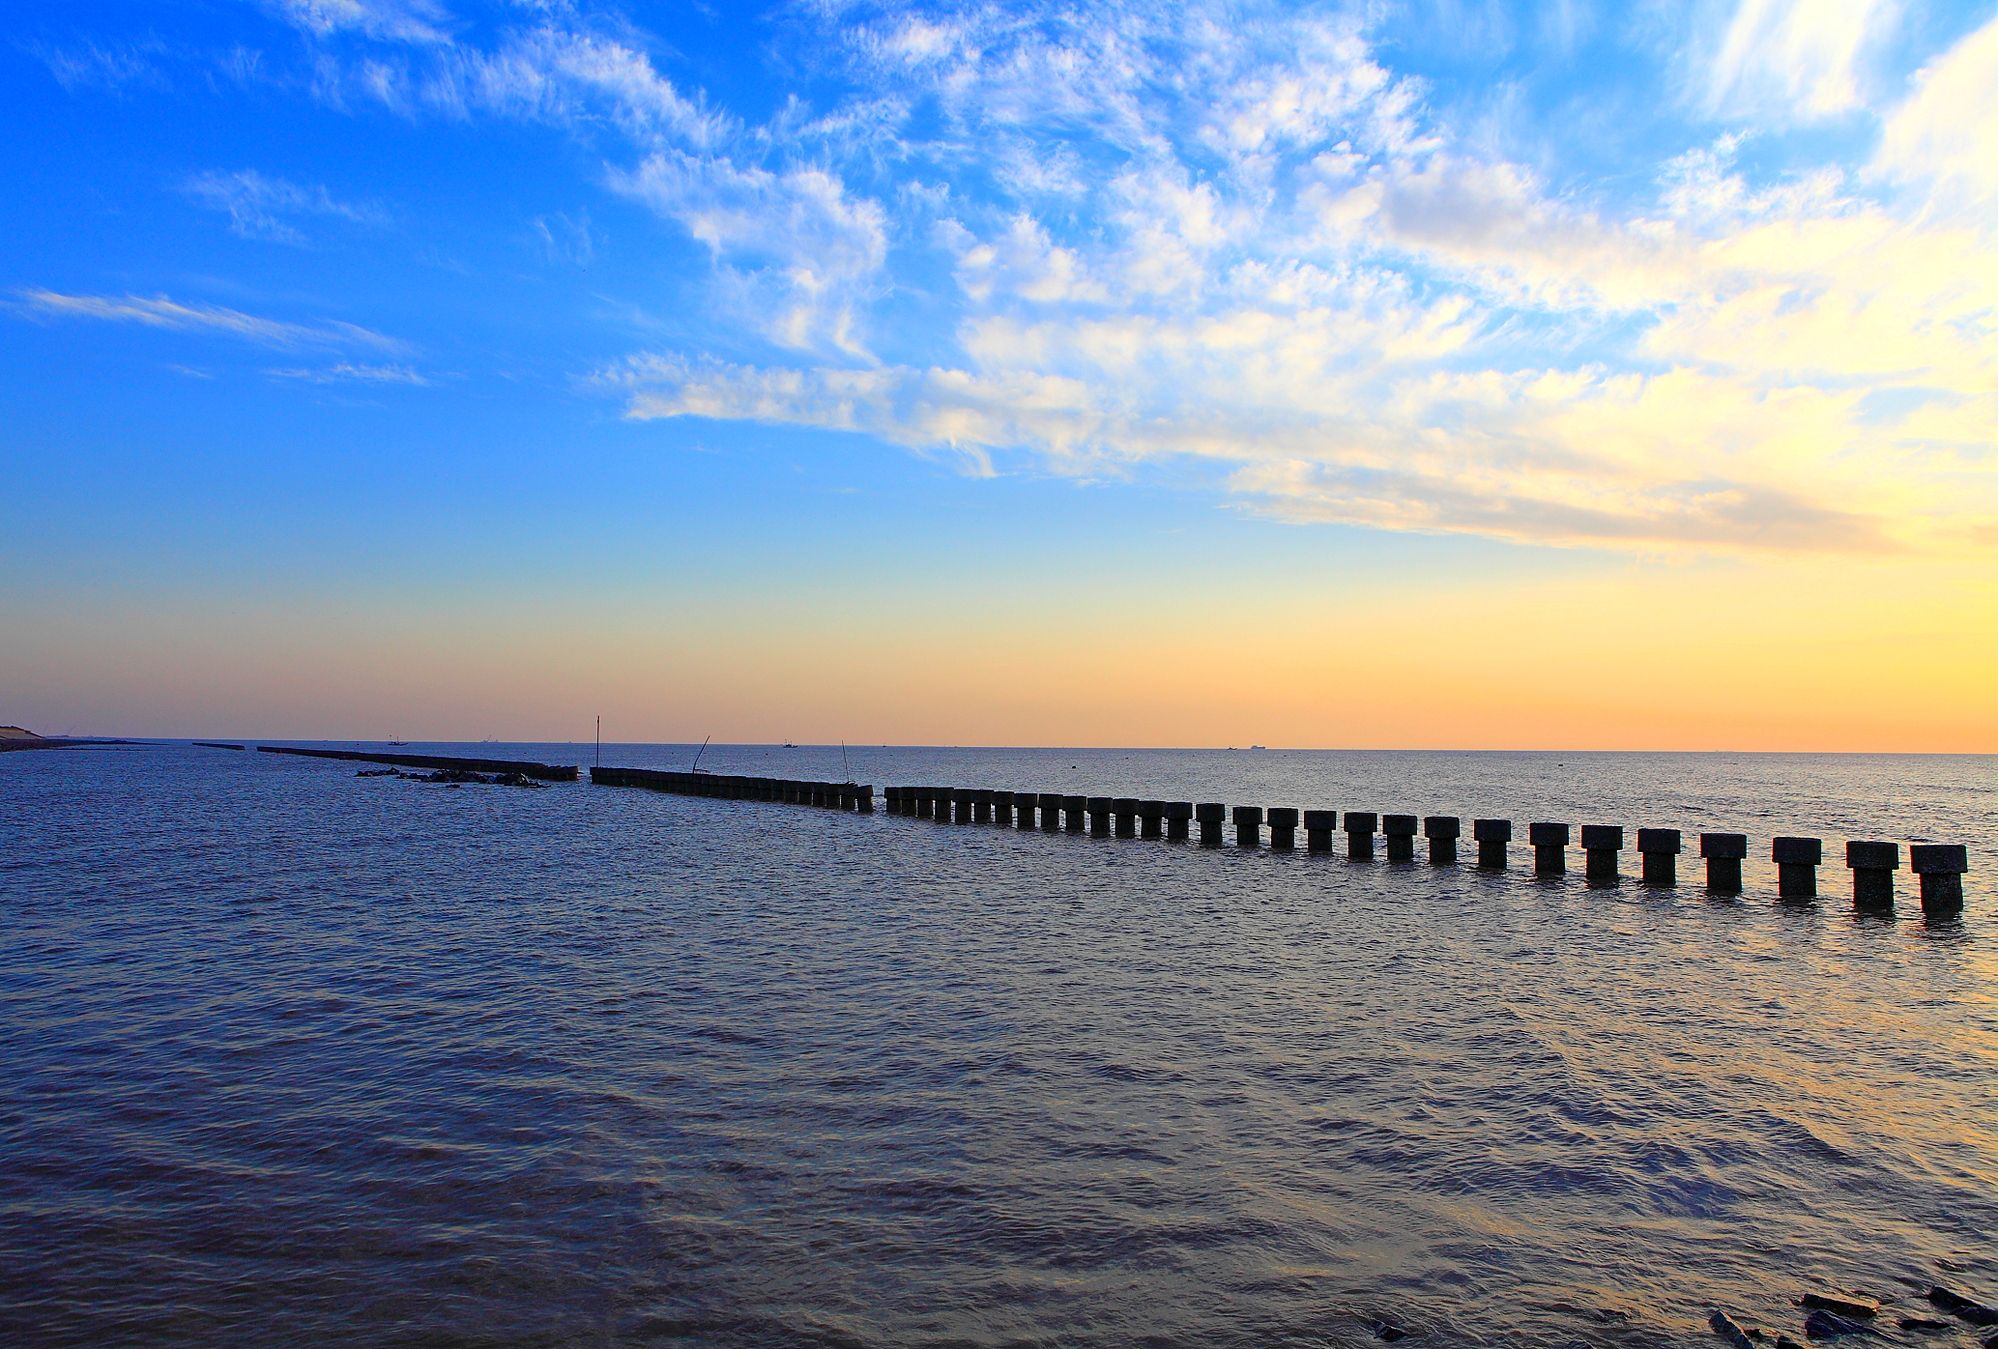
290	1056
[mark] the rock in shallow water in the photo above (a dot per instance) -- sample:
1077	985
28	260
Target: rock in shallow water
1845	1304
1730	1330
1958	1305
1824	1325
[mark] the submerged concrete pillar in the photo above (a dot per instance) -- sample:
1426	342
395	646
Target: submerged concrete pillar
1796	862
1283	829
863	798
1177	816
1051	812
1660	850
1023	809
1249	826
1002	809
1210	814
1492	836
1124	809
1360	826
963	799
1073	808
981	806
1873	866
1724	853
1400	831
1442	832
1600	845
891	797
1151	819
1318	827
1099	816
1941	867
1550	847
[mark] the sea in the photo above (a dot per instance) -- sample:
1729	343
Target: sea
294	1056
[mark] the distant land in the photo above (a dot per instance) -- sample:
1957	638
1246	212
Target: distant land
17	733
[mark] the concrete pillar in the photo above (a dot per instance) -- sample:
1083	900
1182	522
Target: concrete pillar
1660	850
960	805
1550	848
1283	829
1492	836
863	798
1723	853
1318	827
1124	810
1941	867
1210	814
1023	809
1249	826
1796	862
1050	812
1073	808
1873	866
1442	832
926	803
1360	825
1400	831
892	796
818	797
1151	819
981	806
1002	809
1177	814
1099	816
1600	845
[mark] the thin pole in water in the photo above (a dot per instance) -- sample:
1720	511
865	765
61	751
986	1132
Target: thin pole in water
600	740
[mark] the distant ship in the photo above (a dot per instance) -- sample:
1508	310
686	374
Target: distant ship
789	745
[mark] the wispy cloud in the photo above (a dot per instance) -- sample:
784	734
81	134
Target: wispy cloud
114	68
390	20
1797	59
348	373
162	312
261	207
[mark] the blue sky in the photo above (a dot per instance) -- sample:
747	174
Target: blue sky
332	303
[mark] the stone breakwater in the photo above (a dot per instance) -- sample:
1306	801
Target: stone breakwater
1872	863
545	772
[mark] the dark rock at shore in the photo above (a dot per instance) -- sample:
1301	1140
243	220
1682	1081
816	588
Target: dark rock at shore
1924	1325
1824	1325
1956	1304
1730	1330
453	777
1845	1304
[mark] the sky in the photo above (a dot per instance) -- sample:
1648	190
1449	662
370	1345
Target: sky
1452	375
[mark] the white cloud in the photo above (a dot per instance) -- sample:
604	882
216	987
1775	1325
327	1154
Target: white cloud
1945	135
161	312
421	21
794	247
1796	59
260	207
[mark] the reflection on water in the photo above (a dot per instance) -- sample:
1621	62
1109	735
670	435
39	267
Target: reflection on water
291	1056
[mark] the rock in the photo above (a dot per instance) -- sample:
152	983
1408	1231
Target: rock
1923	1324
1824	1325
1785	1342
1845	1304
1958	1305
1730	1330
1387	1330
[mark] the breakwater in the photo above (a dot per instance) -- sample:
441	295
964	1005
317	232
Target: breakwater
852	796
216	744
545	772
1938	867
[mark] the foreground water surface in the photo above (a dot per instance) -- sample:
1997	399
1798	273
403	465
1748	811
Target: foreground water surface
291	1056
